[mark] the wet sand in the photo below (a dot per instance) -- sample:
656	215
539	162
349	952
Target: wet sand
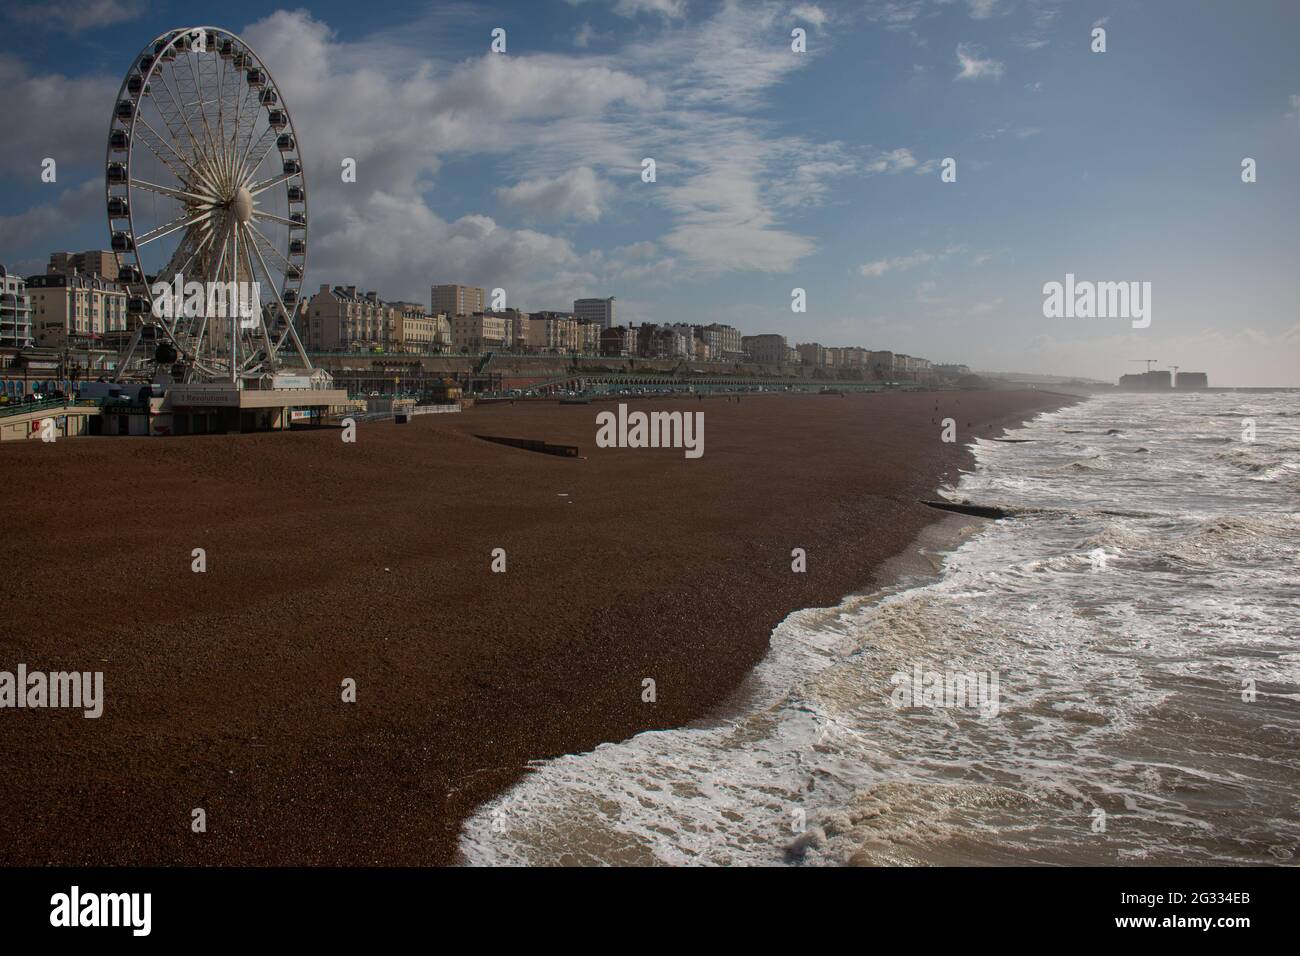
372	561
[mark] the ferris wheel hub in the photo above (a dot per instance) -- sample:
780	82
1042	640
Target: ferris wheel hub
241	204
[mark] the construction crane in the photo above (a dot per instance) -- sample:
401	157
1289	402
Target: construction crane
1149	362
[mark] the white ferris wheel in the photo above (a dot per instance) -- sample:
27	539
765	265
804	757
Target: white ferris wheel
204	180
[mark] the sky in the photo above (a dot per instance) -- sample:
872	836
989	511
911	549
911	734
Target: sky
775	169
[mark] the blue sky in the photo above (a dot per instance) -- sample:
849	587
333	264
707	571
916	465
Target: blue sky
775	169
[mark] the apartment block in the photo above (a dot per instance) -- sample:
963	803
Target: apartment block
686	343
480	332
600	311
618	341
724	341
75	310
342	319
882	364
853	356
811	354
589	335
92	262
767	349
15	312
457	299
418	332
554	332
517	325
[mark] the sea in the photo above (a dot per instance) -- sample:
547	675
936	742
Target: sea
1110	676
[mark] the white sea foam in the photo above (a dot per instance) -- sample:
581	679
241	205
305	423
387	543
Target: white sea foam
1121	680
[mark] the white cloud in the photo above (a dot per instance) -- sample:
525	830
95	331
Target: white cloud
974	66
36	231
810	13
577	194
723	223
982	9
901	263
668	9
727	61
673	9
880	266
894	14
55	116
894	161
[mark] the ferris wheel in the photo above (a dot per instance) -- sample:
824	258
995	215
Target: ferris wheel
204	180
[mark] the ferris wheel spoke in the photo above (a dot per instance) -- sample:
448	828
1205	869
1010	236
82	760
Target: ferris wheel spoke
221	102
169	119
174	193
167	228
254	115
203	111
150	138
180	110
203	323
261	313
284	315
266	271
269	136
271	217
203	146
191	244
268	244
243	137
266	184
229	111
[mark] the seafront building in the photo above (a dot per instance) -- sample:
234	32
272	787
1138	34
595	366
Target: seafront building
618	341
811	354
766	349
599	311
453	300
517	324
342	319
724	341
554	332
417	331
479	332
1191	380
1160	380
92	262
74	310
15	312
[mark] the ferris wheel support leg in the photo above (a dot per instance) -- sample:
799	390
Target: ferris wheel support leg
297	344
124	358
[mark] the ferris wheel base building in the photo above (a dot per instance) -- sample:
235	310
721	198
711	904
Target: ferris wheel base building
214	409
